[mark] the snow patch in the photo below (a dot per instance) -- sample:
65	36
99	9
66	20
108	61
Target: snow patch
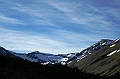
69	62
113	45
118	50
112	53
45	63
81	57
63	63
64	59
103	43
117	40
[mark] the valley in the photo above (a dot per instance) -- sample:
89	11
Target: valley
100	61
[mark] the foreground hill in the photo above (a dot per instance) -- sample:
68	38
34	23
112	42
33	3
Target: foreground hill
105	62
11	68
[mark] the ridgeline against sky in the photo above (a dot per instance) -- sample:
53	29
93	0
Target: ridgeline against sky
57	26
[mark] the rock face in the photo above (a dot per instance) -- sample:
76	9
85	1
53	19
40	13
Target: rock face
105	61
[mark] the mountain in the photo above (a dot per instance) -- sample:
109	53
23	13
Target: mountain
95	47
36	56
105	61
44	58
8	53
64	59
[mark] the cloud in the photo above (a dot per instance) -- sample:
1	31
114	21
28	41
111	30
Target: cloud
35	12
77	12
6	19
39	16
45	22
86	14
48	12
79	39
95	20
61	41
21	41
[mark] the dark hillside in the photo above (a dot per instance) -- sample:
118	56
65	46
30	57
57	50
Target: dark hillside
11	68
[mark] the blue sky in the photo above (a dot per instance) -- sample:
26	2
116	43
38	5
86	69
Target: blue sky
57	26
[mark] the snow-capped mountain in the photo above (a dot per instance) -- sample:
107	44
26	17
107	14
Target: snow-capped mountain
89	50
105	61
50	59
45	58
36	56
63	59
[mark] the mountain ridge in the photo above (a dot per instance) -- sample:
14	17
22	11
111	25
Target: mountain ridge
105	61
64	59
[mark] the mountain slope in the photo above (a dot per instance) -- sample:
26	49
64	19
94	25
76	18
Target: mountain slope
95	47
105	61
5	52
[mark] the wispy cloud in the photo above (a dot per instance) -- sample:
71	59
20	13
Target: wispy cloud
6	19
21	41
94	19
63	42
77	12
81	39
39	16
36	13
85	14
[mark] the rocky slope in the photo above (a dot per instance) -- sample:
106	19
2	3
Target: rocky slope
95	47
105	61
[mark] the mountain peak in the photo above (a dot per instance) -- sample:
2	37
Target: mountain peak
107	41
89	50
105	61
34	52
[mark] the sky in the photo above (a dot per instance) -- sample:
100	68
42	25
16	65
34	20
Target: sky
57	26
